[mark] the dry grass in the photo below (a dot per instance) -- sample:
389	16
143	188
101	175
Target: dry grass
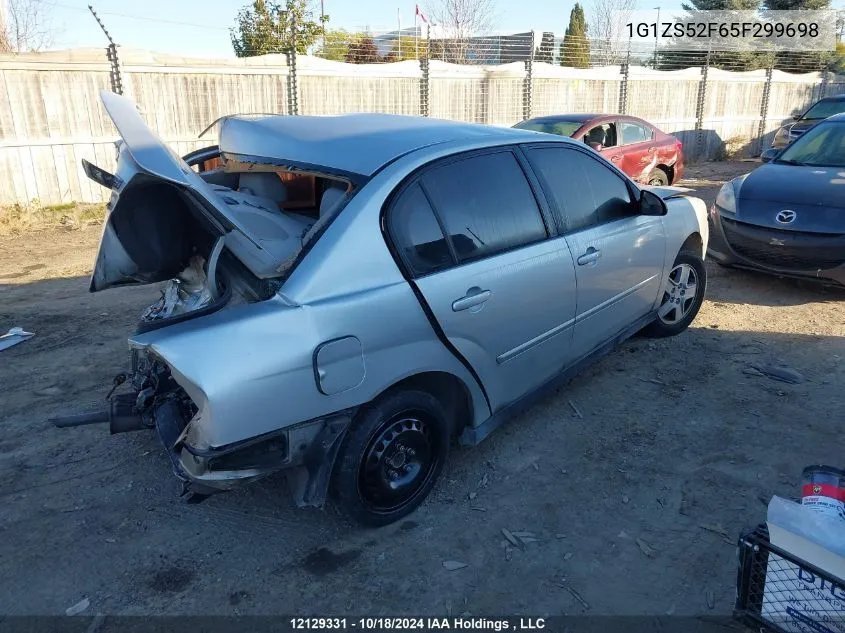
732	149
18	219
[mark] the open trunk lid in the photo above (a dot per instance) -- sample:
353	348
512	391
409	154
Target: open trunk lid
162	212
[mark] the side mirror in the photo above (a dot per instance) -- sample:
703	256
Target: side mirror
596	146
796	116
769	155
651	203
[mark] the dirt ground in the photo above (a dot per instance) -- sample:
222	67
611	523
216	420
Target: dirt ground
636	502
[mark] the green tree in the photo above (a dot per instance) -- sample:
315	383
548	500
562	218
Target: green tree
266	27
363	51
575	48
406	48
674	56
789	5
837	64
335	45
545	51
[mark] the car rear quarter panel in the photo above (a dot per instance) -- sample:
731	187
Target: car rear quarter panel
252	369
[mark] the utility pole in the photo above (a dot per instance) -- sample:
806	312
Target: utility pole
111	54
656	31
323	23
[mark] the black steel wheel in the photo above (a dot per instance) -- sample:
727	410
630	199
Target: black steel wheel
392	457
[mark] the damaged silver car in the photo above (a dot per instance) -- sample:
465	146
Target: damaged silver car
345	296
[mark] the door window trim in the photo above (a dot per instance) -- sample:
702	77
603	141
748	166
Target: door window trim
633	190
550	219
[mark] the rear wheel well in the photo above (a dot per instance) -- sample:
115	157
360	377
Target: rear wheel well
449	390
669	171
694	243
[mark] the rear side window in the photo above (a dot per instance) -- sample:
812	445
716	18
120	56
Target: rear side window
635	133
486	204
417	234
585	191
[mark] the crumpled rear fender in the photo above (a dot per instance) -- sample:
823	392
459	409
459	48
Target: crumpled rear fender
252	369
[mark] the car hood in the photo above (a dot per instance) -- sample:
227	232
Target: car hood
815	194
802	125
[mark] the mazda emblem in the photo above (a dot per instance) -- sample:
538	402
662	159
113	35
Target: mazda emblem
787	216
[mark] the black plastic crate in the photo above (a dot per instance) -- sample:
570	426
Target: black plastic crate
778	592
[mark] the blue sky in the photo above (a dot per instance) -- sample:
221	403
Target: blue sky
150	24
201	28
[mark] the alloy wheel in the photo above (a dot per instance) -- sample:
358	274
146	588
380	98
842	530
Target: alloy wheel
680	294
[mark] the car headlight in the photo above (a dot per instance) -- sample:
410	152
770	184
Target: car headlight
726	200
782	135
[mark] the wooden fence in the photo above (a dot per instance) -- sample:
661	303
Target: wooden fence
51	116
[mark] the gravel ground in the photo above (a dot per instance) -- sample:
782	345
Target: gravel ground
637	503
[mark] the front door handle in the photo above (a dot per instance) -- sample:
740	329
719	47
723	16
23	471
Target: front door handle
475	296
616	158
592	255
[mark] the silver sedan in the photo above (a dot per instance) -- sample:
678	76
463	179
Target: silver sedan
345	296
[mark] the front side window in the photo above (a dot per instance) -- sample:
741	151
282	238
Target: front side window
485	204
635	133
586	192
604	135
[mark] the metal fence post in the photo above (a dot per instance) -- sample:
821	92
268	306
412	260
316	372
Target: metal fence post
528	82
115	78
764	106
424	81
114	74
699	107
623	85
293	85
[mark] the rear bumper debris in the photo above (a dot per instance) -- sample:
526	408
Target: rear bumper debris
306	452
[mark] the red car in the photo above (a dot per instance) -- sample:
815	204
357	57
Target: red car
639	149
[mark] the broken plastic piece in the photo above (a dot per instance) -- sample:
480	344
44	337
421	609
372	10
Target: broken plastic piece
188	292
13	337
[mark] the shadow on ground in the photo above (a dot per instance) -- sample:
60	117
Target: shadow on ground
635	480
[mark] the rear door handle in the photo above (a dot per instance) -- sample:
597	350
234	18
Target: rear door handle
592	255
475	296
616	158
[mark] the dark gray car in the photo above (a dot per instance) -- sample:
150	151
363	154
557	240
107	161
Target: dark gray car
820	110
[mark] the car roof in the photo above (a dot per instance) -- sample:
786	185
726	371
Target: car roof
358	144
832	98
584	118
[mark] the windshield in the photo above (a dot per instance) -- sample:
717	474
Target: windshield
824	109
561	128
821	146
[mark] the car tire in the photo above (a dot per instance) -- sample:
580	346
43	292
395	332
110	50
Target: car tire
678	307
658	178
391	457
